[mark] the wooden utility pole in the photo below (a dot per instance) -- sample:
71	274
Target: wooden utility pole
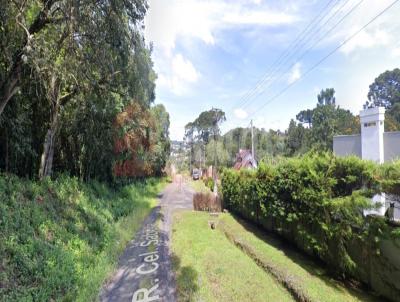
190	160
215	153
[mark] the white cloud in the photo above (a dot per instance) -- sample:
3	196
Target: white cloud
240	113
366	39
396	52
166	21
184	69
295	73
382	32
268	123
181	74
258	18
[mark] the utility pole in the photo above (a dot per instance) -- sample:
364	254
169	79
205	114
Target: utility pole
215	153
252	140
201	165
190	160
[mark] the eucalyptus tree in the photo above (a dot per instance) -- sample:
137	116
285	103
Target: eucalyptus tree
77	49
205	126
83	23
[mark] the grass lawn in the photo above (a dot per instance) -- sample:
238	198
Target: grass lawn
311	277
210	268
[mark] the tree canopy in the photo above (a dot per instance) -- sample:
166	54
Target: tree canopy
324	121
385	92
68	70
199	132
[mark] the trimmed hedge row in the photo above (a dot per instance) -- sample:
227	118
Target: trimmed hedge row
317	202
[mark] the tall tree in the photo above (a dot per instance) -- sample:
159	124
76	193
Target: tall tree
385	92
326	97
78	22
295	138
325	120
162	146
305	117
64	96
204	127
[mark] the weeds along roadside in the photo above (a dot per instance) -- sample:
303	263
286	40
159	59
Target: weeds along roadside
61	238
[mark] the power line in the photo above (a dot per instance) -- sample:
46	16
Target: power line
304	53
288	50
326	57
285	58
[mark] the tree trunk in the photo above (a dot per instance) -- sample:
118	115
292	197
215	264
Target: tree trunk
10	87
46	161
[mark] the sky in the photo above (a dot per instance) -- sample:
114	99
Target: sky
265	59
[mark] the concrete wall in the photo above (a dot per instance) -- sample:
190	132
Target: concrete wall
345	145
391	142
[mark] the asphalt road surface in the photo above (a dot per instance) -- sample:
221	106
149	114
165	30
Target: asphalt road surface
144	272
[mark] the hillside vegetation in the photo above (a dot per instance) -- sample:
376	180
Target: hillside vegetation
61	238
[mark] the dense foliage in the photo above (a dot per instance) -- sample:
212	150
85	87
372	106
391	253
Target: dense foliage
67	70
266	143
199	133
316	127
141	144
60	239
316	201
385	92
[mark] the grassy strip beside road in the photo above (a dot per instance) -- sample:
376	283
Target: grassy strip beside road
60	239
210	268
308	281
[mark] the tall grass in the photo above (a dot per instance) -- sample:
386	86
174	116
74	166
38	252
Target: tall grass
60	239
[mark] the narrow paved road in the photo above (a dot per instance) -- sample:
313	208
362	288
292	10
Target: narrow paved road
144	272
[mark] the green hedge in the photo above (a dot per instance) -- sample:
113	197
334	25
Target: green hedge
315	201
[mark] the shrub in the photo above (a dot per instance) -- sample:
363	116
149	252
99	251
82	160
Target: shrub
315	201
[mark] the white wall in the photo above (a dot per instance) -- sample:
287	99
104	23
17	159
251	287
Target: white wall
345	145
372	128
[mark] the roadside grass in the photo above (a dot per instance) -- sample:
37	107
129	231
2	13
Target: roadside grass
199	186
210	268
60	239
272	254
